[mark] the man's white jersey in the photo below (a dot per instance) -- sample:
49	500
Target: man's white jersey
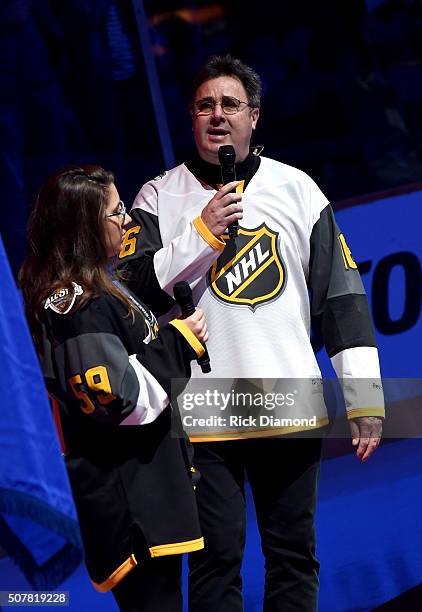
259	290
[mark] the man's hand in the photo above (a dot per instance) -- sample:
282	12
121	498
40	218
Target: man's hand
366	435
223	209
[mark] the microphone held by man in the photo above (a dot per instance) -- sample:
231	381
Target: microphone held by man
227	158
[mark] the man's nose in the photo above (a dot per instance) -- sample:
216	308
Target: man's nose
217	113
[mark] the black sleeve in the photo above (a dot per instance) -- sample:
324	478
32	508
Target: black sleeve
339	304
136	261
169	358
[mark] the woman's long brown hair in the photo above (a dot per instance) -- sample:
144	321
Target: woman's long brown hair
66	240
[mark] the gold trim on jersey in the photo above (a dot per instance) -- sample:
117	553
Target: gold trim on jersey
207	235
214	436
177	548
189	336
358	412
239	189
118	575
161	550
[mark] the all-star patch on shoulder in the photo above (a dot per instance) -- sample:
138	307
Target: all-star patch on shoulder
62	300
160	176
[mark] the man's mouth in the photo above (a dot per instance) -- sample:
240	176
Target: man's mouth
217	132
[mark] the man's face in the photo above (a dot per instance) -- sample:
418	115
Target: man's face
216	129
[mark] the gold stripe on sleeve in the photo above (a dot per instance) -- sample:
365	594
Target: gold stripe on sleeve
358	412
207	235
177	548
118	574
214	436
189	336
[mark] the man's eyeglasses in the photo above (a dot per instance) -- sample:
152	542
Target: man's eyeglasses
121	212
229	105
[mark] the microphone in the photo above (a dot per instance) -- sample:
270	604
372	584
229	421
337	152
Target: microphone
227	157
183	296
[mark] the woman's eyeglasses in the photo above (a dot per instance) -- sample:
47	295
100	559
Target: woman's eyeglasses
121	211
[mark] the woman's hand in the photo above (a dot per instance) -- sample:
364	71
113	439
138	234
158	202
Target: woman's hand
198	325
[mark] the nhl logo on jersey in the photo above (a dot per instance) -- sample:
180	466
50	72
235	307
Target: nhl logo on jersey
250	271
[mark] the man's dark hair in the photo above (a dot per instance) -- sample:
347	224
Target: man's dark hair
226	65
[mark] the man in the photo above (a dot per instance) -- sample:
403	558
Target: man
254	290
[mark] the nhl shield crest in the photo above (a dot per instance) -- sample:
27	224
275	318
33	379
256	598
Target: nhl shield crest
250	271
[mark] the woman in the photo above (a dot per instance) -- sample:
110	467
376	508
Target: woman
108	371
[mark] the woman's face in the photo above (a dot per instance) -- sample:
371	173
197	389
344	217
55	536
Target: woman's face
115	222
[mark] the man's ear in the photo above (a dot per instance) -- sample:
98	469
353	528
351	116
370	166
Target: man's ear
255	117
